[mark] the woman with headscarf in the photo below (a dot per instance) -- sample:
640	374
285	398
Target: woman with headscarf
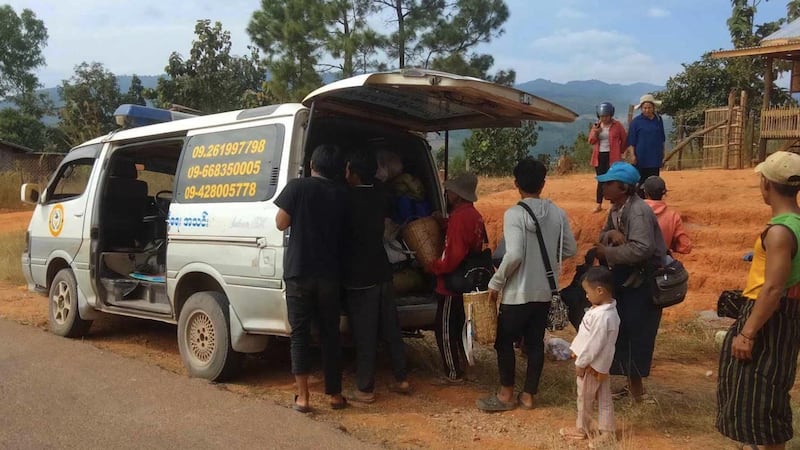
608	139
632	246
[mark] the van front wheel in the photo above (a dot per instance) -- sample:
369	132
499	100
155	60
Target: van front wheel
204	337
63	317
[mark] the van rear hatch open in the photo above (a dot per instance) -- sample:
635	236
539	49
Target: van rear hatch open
425	100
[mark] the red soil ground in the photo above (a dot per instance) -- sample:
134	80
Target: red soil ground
723	213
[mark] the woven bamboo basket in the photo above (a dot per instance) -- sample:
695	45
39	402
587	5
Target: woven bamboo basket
484	316
424	237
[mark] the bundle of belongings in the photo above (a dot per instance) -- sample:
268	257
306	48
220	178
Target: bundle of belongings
408	239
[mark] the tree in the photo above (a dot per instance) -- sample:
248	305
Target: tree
23	37
350	40
495	151
90	98
22	129
442	35
411	17
135	94
211	79
292	34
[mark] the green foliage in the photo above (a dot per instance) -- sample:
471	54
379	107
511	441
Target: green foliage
582	151
22	129
292	34
211	80
135	94
350	40
90	98
495	151
23	37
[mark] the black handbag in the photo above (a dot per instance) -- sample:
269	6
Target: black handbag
671	284
558	316
730	304
474	272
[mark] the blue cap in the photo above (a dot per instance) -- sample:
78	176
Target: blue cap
622	172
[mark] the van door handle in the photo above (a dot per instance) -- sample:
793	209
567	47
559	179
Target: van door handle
78	214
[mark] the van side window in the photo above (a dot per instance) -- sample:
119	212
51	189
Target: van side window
71	180
230	166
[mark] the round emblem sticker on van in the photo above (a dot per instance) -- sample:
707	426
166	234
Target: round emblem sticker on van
56	222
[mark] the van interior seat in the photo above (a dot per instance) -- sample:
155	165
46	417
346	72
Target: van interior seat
124	203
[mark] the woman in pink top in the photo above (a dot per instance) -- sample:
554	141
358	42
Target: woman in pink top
669	221
608	138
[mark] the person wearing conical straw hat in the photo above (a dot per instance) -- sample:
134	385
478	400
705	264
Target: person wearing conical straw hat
646	139
465	233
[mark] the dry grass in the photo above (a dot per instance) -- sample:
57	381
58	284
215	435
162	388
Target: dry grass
10	183
11	246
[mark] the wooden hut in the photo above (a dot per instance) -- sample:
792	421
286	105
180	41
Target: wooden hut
784	44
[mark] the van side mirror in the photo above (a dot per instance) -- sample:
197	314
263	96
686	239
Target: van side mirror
29	193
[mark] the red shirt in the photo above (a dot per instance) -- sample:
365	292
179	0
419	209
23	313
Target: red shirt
464	234
617	141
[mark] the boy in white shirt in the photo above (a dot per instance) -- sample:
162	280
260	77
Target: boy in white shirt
593	348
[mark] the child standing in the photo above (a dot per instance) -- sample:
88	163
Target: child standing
669	220
593	348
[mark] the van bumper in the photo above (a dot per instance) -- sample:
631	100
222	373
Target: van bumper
417	313
26	272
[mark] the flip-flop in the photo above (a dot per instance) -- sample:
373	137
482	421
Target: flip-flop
573	433
522	404
362	397
339	405
300	408
397	389
494	404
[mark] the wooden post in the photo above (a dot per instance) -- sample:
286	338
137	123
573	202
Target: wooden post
729	130
742	131
630	115
681	135
762	143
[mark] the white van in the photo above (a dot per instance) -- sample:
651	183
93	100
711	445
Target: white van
171	217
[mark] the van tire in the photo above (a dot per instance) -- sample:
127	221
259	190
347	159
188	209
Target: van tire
204	337
63	316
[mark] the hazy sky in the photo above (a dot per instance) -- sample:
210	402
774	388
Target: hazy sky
617	41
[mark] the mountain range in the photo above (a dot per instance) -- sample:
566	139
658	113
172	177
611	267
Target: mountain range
579	96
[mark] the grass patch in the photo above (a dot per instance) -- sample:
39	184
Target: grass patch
688	341
11	246
10	183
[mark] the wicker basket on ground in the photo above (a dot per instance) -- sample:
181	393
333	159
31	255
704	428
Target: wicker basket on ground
424	237
484	316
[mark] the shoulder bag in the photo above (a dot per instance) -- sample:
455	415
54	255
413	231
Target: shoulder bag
558	316
474	272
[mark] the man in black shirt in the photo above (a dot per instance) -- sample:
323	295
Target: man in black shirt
367	278
314	208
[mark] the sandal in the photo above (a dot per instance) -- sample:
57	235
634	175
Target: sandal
621	393
398	388
362	397
305	409
339	405
573	433
522	404
494	404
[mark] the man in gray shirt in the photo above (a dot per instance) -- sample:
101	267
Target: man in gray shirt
523	280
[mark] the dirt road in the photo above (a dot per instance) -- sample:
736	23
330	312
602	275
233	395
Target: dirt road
723	213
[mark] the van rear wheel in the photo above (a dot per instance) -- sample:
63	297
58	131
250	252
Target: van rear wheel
63	316
204	337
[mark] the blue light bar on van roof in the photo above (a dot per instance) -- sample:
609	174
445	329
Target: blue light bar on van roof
136	115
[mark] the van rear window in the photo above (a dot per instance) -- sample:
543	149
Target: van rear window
230	166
